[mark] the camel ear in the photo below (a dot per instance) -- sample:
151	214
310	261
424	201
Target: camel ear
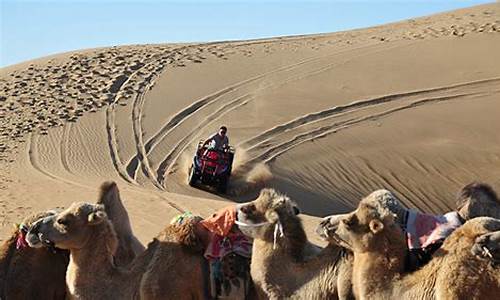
296	210
96	217
376	226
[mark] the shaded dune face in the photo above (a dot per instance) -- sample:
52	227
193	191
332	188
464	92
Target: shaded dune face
325	118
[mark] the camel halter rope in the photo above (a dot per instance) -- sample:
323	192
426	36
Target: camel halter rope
486	252
278	228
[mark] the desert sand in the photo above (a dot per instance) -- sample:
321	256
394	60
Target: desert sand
412	107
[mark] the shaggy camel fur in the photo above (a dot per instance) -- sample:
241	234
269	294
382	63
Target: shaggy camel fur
488	247
474	200
478	200
31	273
379	248
85	230
39	272
288	266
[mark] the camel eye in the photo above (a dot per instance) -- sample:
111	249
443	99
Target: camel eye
248	209
351	221
63	222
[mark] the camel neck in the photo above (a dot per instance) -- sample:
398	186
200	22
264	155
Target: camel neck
269	254
293	241
97	254
272	269
376	270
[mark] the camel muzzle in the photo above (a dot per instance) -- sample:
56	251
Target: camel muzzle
328	232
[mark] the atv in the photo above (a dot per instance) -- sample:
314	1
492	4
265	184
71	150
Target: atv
211	167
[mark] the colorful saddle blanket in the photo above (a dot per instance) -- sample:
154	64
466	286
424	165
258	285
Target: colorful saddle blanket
424	230
228	255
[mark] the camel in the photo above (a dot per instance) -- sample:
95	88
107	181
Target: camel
31	273
39	271
284	264
474	200
168	268
379	248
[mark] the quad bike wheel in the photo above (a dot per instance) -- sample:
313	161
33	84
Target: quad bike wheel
192	176
222	185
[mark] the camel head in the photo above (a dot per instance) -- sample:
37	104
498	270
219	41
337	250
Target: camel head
71	228
268	213
478	200
29	221
368	228
328	226
381	199
488	246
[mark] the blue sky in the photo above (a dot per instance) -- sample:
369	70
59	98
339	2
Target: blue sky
35	28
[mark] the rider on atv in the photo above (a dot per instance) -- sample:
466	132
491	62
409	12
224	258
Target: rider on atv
218	141
212	163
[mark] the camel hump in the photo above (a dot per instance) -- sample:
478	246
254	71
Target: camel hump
106	188
269	193
477	190
387	204
109	196
273	196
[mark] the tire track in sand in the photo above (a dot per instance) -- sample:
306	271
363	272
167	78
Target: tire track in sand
174	154
275	151
172	157
213	99
64	147
32	154
113	144
140	159
316	116
110	117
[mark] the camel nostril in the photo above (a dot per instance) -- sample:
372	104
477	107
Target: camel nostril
247	208
482	240
34	229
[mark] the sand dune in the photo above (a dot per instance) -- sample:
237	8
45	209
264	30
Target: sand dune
410	106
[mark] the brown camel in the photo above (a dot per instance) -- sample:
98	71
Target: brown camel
168	269
474	200
284	264
379	248
31	273
39	271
